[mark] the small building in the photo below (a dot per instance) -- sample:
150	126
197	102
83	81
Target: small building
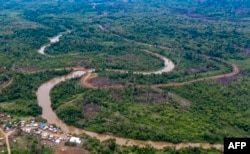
58	141
45	135
27	130
35	124
2	115
42	125
75	140
22	122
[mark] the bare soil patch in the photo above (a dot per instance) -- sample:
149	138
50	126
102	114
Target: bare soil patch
103	82
122	57
70	150
126	57
116	94
89	110
226	80
81	62
153	97
85	80
193	70
25	68
185	104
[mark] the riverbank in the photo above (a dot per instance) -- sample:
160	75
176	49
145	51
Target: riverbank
48	114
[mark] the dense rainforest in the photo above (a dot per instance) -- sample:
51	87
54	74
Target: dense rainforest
203	38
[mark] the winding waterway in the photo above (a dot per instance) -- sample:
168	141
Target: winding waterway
43	97
44	101
168	65
52	41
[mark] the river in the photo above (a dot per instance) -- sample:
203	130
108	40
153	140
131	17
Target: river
52	40
43	97
44	101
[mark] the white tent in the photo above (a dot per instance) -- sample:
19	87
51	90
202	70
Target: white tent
58	141
75	140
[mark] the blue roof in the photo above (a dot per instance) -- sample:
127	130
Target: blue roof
42	125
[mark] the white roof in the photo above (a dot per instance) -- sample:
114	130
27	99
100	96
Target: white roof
58	141
75	140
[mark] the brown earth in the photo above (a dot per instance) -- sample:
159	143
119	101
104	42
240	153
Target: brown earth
227	80
192	70
153	97
7	83
81	62
93	81
123	57
86	78
89	110
126	57
6	136
25	68
70	150
116	94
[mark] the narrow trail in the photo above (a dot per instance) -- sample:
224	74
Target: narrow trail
6	84
86	77
6	136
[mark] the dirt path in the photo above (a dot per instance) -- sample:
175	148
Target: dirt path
6	136
85	78
9	82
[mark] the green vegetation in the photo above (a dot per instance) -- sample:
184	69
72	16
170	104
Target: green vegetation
108	146
28	144
143	113
224	107
107	49
113	34
189	70
22	93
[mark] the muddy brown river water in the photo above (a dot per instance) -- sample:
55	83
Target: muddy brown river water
43	97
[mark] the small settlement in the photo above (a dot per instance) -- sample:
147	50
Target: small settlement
48	132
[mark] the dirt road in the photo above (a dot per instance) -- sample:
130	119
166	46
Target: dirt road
6	136
85	78
6	84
